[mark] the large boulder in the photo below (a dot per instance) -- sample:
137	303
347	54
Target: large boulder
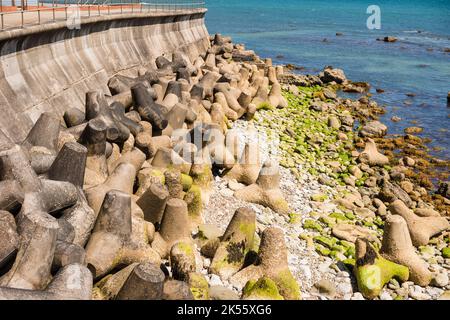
373	129
336	75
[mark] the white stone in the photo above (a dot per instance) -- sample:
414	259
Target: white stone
226	192
419	296
385	296
357	296
215	280
306	271
206	262
441	280
344	288
324	267
434	292
348	296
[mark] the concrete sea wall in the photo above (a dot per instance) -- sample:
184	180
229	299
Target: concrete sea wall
51	67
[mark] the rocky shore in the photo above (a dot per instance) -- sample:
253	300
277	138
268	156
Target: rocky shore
223	178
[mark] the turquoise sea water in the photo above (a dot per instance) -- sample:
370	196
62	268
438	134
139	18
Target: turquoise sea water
293	31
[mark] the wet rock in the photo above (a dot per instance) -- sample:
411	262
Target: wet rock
388	39
413	130
336	75
444	189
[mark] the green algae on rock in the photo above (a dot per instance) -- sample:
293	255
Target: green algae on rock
262	289
373	271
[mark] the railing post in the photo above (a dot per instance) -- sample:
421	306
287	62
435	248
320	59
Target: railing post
53	10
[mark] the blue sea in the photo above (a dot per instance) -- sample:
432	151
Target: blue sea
293	31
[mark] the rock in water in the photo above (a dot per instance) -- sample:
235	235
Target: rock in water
336	75
388	39
444	189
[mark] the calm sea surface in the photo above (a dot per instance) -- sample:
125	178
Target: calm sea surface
293	31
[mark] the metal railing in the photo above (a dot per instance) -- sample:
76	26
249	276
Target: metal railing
72	11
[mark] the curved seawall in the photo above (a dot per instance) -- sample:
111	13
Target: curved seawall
51	67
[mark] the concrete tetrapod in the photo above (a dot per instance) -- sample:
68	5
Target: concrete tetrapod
109	245
81	217
94	138
220	99
231	100
148	109
38	232
109	286
70	164
146	282
202	177
182	260
397	247
42	142
67	253
146	177
273	263
174	227
373	271
120	84
12	195
73	117
194	200
421	229
97	107
218	116
53	195
266	191
261	98
262	289
135	157
144	142
177	290
121	179
247	169
118	113
173	179
235	243
73	282
215	141
276	99
9	238
372	156
153	202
